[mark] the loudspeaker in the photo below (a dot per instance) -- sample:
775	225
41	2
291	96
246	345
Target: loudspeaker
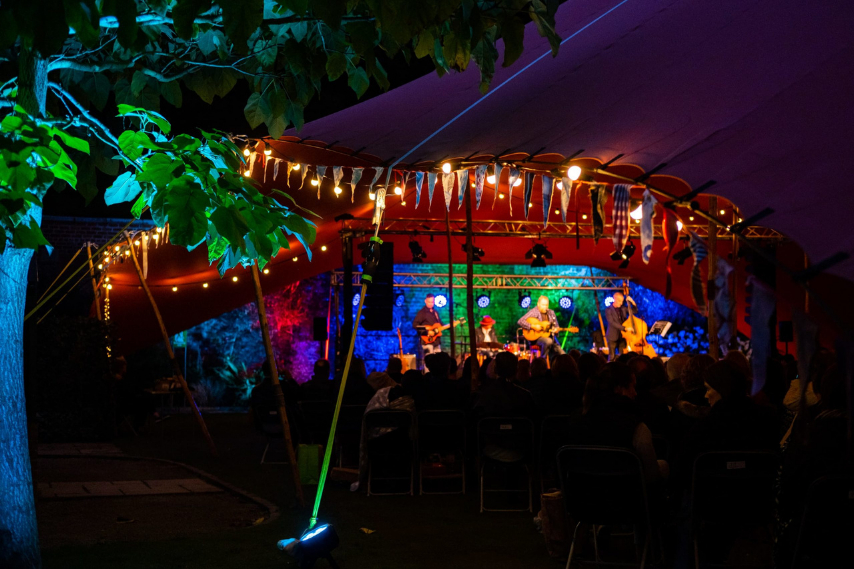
787	332
319	329
378	309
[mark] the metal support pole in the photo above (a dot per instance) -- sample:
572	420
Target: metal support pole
470	284
713	268
451	287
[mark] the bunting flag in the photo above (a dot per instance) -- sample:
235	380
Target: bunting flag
548	188
479	178
762	307
419	181
354	180
671	233
431	185
462	186
337	172
405	182
620	216
698	286
529	189
252	158
448	188
723	304
597	202
304	171
806	345
320	172
565	196
511	181
497	169
275	163
648	209
378	171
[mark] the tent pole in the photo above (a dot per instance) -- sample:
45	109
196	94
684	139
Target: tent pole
599	313
94	282
276	385
470	285
347	254
450	286
176	370
713	268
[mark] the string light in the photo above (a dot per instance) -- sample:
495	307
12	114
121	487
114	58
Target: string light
100	266
573	172
323	248
678	225
117	247
500	196
234	278
267	151
398	190
247	173
159	230
557	212
266	271
518	182
560	185
314	182
446	167
136	242
530	204
106	253
691	218
403	203
106	280
127	253
246	151
295	259
372	196
155	237
338	191
637	213
584	216
205	285
174	289
490	179
723	212
295	167
109	287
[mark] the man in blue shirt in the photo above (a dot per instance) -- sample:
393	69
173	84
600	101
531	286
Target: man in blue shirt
548	346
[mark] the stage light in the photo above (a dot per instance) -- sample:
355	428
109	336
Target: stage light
573	172
637	213
295	167
399	300
490	179
398	190
538	255
483	301
418	254
356	298
682	255
524	300
205	285
314	544
629	250
441	300
446	167
609	301
314	182
477	252
616	255
174	289
565	302
234	278
678	225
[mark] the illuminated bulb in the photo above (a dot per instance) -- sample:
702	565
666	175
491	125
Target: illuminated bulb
246	151
295	167
338	191
117	247
323	248
314	182
573	172
267	152
174	289
106	253
398	190
295	259
530	204
205	285
372	196
446	167
584	216
109	287
557	212
159	230
723	211
490	179
690	218
473	184
678	225
136	242
247	173
234	278
100	266
127	253
402	203
106	280
560	185
500	196
155	237
518	182
266	271
637	213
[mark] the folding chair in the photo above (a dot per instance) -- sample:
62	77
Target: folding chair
505	443
553	435
391	454
604	486
825	532
348	435
442	433
732	488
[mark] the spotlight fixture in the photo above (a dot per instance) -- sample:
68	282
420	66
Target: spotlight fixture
565	302
477	252
440	300
573	172
524	300
538	253
314	544
609	301
418	254
483	301
399	299
616	256
627	253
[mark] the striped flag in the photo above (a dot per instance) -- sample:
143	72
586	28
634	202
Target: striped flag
620	215
698	286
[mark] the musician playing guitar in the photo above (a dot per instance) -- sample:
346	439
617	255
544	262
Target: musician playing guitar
542	313
428	316
615	316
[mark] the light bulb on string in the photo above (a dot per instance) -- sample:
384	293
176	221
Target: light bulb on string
584	216
500	196
323	248
100	266
247	173
573	172
234	278
109	287
402	203
295	167
295	259
314	182
106	280
117	247
560	185
490	179
266	271
446	167
690	218
398	190
205	285
136	242
372	196
159	229
518	182
174	289
267	151
246	151
338	191
678	225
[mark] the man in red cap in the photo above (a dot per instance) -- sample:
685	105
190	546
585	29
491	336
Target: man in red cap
486	333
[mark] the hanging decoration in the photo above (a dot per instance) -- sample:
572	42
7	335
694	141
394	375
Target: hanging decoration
378	171
462	186
723	303
671	233
648	209
355	176
511	181
565	196
479	178
548	189
448	188
431	185
698	286
806	342
337	173
620	216
276	169
497	169
303	171
597	203
419	181
529	188
320	172
762	307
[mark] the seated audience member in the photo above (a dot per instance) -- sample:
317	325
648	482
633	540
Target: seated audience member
319	387
523	373
395	369
740	361
589	365
262	399
611	418
499	397
691	405
654	412
670	391
357	391
562	390
539	375
576	354
439	390
471	369
381	383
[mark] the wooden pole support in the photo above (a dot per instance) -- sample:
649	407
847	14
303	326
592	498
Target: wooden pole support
176	369
470	286
94	282
277	386
451	287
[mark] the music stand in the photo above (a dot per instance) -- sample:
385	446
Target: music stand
661	327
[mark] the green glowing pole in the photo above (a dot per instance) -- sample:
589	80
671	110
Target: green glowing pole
566	334
327	455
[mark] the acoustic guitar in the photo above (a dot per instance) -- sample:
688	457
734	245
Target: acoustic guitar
435	330
545	331
636	340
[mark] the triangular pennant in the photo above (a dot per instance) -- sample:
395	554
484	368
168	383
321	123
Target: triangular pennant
304	172
271	162
448	188
648	209
723	303
671	233
337	173
144	257
597	204
419	181
762	306
378	171
548	187
511	181
321	171
355	176
529	190
698	285
252	158
565	195
479	178
276	169
497	169
620	216
462	186
431	185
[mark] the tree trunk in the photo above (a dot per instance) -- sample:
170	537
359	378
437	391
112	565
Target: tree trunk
19	538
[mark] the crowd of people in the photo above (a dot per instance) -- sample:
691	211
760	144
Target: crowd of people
666	413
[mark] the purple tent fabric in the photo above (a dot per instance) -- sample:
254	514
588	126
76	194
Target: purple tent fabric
752	94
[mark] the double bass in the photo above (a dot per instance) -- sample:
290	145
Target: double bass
636	340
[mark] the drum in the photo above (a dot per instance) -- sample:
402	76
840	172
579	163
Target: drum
513	348
408	361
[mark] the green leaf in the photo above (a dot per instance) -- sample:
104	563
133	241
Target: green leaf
223	81
159	170
185	208
28	236
124	189
138	83
134	143
257	110
70	141
97	88
171	91
183	14
138	207
298	7
211	41
82	15
229	224
330	11
424	47
336	65
513	32
295	115
125	13
358	81
240	19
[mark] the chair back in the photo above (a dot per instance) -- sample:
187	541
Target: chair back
554	433
388	419
317	417
603	485
513	434
734	487
442	431
825	532
266	417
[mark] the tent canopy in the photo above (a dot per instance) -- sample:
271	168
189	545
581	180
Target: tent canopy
753	95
